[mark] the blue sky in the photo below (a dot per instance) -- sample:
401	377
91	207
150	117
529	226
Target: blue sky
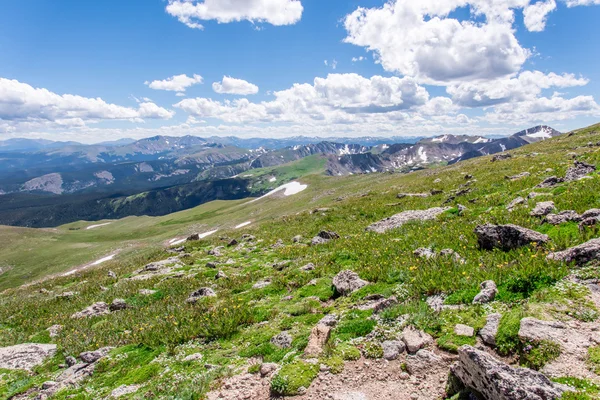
91	71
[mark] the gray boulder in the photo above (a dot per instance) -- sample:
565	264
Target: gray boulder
392	349
550	182
464	330
25	356
347	282
543	208
95	310
424	252
89	357
592	213
514	203
562	217
329	320
282	340
518	176
118	304
402	218
201	293
422	362
488	293
581	254
495	380
507	237
578	171
268	368
490	330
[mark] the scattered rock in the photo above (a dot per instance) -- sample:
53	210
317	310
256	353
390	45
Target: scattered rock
216	251
308	267
400	219
66	295
535	330
89	357
220	275
25	356
112	275
95	310
54	330
319	336
232	242
392	349
278	244
147	292
297	239
193	357
422	362
543	208
507	237
324	237
592	213
518	176
586	223
424	252
490	330
502	156
487	294
118	304
329	320
248	238
201	293
261	284
347	282
280	266
211	264
421	195
267	369
550	182
415	339
124	390
578	171
581	254
451	253
282	340
464	330
562	217
70	360
493	379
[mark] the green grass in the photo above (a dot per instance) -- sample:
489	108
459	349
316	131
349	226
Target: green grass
237	326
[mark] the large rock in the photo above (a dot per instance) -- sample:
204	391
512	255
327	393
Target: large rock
392	349
489	332
89	357
201	293
347	282
581	254
507	237
95	310
25	356
464	330
422	363
550	182
562	217
324	237
543	208
415	339
535	330
317	340
578	171
495	380
488	293
398	220
515	202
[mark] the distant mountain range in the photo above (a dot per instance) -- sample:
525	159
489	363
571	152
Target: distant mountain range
37	170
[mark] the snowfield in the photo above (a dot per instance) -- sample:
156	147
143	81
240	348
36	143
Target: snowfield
290	189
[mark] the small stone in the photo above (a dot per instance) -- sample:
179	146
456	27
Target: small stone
415	339
319	336
392	349
464	330
543	208
282	340
329	320
112	275
347	282
487	294
267	369
308	267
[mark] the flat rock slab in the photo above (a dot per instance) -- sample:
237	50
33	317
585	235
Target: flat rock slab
25	356
507	237
398	220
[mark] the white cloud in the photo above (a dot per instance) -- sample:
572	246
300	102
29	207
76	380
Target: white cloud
23	106
337	98
333	63
535	15
417	38
528	85
231	85
357	59
274	12
575	3
177	83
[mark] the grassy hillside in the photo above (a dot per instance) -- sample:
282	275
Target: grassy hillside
237	325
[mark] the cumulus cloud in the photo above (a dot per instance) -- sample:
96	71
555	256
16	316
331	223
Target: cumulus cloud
575	3
527	85
535	15
336	98
231	85
25	106
177	83
274	12
419	39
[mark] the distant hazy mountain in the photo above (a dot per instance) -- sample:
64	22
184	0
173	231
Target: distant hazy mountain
28	145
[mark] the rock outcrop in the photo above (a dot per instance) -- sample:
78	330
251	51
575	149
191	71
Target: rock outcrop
581	254
402	218
507	237
200	294
25	356
319	336
347	282
578	171
495	380
95	310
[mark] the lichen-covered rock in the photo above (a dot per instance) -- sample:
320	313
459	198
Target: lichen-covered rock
392	349
118	304
402	218
488	293
550	182
54	330
25	356
317	340
324	237
490	330
578	171
422	362
201	293
424	252
581	254
562	217
592	213
93	356
347	282
308	267
216	251
507	237
495	380
95	310
514	203
501	156
543	208
329	320
282	340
